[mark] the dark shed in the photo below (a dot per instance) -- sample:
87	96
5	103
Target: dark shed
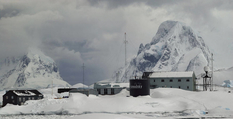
139	87
19	97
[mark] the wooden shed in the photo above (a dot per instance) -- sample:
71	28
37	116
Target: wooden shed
19	97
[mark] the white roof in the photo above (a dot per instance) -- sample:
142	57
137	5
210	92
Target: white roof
170	74
24	93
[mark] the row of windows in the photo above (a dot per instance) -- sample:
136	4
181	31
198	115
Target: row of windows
171	80
105	91
23	99
178	87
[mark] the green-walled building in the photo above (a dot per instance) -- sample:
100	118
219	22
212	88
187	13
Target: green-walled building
181	80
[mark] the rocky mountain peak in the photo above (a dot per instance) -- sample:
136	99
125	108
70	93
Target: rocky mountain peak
175	47
33	70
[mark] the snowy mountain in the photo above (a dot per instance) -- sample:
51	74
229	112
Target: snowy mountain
175	47
33	70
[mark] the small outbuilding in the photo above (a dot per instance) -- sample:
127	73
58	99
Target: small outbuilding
19	97
139	87
109	88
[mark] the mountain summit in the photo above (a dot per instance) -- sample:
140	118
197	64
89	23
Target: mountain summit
33	70
175	47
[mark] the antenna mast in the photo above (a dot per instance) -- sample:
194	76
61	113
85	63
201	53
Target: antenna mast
212	60
125	48
83	75
125	55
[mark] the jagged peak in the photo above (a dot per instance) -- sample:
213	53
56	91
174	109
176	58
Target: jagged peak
168	26
37	54
172	48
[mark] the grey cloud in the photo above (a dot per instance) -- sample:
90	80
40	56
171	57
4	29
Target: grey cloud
8	13
77	32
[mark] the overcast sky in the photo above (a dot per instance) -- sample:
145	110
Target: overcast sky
73	32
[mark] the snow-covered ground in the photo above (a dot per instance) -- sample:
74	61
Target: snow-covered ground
162	103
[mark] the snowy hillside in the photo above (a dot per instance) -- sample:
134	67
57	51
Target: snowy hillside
33	70
175	47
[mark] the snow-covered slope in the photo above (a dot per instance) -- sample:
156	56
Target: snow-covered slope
33	70
175	47
163	102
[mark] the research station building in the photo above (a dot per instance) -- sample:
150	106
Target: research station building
19	97
109	88
181	80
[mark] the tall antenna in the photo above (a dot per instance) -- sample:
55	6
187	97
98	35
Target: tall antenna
125	48
212	60
83	75
125	55
52	88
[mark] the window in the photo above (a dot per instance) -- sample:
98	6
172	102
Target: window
112	91
32	98
12	97
6	97
105	91
162	80
98	90
29	98
154	80
19	99
171	80
179	80
187	80
179	87
187	87
23	99
153	86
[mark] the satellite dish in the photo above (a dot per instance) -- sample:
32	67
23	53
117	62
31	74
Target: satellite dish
206	69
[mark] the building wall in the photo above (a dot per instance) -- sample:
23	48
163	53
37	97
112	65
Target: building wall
181	83
109	91
9	97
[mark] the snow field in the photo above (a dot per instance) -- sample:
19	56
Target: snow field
163	102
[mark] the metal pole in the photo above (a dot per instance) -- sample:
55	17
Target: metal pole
125	55
52	88
83	75
212	71
125	48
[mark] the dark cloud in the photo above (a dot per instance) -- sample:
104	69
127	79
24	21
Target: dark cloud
8	12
